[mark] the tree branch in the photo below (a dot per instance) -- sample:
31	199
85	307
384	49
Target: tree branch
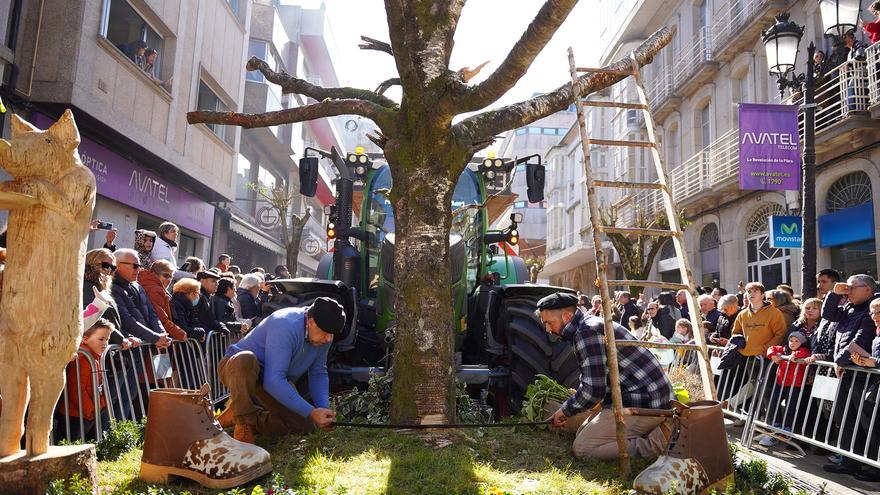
291	84
374	44
520	58
383	87
331	108
478	127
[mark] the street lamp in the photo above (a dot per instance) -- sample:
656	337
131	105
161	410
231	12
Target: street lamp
839	16
781	41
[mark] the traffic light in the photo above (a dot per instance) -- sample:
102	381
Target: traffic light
330	211
512	231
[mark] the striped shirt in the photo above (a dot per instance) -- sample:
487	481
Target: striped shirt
643	383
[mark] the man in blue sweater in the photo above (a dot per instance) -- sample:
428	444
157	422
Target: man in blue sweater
260	370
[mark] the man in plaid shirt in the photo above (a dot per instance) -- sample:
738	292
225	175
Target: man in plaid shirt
643	384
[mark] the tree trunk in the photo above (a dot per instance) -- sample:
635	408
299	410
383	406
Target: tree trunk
423	388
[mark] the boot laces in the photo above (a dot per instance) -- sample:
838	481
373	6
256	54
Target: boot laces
677	425
205	401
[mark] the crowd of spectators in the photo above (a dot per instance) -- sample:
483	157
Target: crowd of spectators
773	333
140	296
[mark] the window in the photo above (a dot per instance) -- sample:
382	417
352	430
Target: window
243	194
548	130
130	33
767	265
208	100
850	190
520	204
710	254
705	129
534	130
521	131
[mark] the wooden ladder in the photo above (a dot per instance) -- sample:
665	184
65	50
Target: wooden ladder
674	232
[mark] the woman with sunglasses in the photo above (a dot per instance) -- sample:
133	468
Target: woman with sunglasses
155	282
98	275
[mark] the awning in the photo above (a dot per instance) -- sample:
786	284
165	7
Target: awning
241	227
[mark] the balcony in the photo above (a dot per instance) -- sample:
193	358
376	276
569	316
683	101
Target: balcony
662	99
694	66
873	66
699	182
845	99
567	252
738	23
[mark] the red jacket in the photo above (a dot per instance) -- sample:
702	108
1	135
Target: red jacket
82	385
161	302
872	29
789	373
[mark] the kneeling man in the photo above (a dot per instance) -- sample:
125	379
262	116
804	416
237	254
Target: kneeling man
643	383
261	368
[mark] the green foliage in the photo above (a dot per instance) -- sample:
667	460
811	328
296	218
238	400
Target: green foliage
753	477
370	405
467	410
373	404
75	485
538	393
122	437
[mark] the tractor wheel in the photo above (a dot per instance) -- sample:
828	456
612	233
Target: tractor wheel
532	352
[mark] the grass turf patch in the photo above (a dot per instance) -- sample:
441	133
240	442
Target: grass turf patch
364	461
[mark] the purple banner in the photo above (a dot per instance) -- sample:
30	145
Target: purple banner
122	180
769	147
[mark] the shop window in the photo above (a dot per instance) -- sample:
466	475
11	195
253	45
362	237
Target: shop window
208	100
767	265
127	30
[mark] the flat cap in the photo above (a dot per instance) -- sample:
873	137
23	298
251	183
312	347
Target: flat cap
209	273
558	300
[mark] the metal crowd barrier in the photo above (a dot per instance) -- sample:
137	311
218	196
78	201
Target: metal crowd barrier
215	348
63	417
133	373
831	412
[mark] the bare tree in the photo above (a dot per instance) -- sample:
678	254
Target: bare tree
638	252
281	199
427	152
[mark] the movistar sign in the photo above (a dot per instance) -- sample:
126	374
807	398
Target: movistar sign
786	232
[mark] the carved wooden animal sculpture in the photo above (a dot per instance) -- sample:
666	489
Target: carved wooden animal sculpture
50	199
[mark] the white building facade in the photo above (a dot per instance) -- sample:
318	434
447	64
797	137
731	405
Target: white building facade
716	61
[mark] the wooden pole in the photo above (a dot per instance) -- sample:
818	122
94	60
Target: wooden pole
610	347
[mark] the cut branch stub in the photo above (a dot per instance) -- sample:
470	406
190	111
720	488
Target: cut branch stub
374	44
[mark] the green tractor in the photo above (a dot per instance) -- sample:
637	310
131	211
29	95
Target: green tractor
500	343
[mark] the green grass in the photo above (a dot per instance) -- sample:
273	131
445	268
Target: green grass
362	461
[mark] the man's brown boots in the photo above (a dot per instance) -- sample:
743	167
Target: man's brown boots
182	439
697	458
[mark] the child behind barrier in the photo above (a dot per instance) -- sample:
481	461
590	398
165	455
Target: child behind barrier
789	382
80	402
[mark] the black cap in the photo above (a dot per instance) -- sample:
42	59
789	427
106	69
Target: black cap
328	314
209	273
558	300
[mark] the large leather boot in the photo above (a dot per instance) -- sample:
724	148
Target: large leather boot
182	439
697	458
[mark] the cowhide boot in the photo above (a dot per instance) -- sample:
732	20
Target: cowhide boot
697	458
183	440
